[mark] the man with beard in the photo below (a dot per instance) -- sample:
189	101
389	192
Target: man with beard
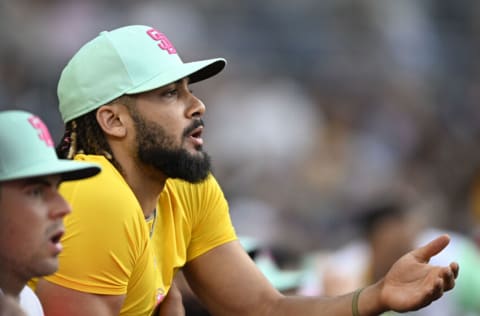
31	207
156	208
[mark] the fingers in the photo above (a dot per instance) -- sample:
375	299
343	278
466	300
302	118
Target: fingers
423	254
438	290
434	292
444	282
450	273
455	269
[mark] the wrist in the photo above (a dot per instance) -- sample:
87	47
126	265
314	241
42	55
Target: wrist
369	300
355	298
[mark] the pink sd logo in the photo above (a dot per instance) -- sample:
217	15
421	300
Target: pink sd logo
159	296
163	41
42	129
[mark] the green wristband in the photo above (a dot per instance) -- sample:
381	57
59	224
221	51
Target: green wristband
355	297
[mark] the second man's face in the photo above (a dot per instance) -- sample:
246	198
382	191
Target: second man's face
31	213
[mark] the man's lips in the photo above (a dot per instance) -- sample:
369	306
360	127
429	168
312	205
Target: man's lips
196	136
55	237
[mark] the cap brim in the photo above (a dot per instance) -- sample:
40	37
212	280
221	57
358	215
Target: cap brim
195	71
213	67
80	171
68	169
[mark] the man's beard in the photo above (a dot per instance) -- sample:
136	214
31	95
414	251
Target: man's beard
157	149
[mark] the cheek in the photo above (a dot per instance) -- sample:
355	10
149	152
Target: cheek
171	118
22	225
171	133
13	237
173	127
22	232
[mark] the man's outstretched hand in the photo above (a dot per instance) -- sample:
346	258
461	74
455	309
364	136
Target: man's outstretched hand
412	283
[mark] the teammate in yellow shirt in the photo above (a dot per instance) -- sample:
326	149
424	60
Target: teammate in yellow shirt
119	253
156	208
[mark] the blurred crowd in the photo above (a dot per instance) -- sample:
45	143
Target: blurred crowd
327	108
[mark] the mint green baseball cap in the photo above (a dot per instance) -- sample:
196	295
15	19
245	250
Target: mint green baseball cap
27	150
128	60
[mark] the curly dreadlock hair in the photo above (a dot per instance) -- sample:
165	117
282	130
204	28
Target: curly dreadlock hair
83	135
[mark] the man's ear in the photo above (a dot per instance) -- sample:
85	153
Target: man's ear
111	120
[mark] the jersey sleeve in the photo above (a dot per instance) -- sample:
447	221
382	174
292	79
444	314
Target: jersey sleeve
105	235
210	218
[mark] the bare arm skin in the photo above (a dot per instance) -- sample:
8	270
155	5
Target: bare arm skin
228	283
58	301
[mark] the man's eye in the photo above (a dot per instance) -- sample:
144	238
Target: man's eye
171	93
35	192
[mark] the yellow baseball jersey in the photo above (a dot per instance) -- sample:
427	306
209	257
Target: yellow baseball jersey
109	247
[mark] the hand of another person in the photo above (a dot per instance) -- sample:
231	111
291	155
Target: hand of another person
412	283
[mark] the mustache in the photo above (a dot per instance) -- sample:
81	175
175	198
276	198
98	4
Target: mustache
189	129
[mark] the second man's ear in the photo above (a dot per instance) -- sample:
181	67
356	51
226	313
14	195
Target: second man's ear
111	119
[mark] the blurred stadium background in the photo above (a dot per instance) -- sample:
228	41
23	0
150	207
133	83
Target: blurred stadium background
324	108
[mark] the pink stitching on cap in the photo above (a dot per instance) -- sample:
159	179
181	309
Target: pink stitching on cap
164	42
42	129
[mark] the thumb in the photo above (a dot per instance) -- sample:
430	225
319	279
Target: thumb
423	254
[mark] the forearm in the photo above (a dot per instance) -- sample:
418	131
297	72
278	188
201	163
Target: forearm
229	283
369	304
238	288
